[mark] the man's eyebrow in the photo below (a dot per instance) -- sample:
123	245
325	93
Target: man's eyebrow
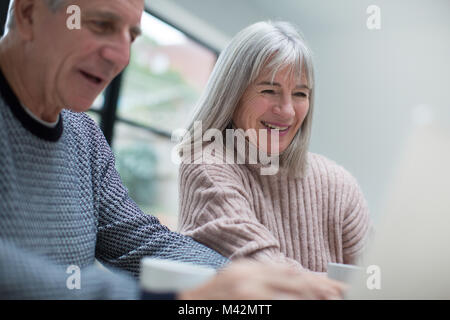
103	14
276	84
136	30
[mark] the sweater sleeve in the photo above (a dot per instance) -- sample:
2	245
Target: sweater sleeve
27	275
125	234
356	224
215	210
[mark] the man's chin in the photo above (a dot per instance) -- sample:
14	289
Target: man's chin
79	104
79	107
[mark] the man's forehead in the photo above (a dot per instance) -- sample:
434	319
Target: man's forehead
135	3
122	6
129	11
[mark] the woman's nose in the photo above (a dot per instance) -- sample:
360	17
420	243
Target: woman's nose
284	108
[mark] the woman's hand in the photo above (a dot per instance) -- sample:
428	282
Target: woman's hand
248	280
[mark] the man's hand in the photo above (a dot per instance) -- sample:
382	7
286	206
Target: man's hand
248	280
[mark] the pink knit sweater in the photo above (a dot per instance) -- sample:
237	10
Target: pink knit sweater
307	222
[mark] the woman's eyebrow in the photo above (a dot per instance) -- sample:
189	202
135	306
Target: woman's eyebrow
276	84
302	86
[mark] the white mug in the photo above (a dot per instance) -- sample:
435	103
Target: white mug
344	272
160	276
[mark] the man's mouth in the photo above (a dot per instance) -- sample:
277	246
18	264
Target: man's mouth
273	126
92	78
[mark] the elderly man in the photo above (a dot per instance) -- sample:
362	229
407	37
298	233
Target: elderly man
61	200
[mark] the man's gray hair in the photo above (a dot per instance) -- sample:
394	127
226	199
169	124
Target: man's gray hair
54	5
263	46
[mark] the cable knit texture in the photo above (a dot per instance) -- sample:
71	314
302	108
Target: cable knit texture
62	203
306	222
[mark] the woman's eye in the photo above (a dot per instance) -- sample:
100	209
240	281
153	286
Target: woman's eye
301	94
268	91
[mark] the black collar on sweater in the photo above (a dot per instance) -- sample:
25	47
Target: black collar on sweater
36	128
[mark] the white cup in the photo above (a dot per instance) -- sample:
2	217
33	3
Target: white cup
160	276
344	272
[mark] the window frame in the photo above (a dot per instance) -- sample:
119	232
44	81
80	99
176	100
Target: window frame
4	6
108	111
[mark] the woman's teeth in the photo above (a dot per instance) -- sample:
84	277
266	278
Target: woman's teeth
273	127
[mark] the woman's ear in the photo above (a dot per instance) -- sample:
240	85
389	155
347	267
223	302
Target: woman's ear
24	11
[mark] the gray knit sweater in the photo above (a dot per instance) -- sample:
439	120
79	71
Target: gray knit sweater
62	203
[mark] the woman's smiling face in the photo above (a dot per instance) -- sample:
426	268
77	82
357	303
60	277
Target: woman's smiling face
278	107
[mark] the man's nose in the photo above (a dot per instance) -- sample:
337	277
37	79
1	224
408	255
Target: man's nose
117	52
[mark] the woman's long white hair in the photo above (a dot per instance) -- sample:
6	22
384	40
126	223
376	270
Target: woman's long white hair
263	46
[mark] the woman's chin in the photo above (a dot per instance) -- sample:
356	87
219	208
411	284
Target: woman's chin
268	150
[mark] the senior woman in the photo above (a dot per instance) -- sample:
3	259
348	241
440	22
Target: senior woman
311	211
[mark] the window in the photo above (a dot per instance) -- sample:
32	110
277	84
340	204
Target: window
159	88
167	72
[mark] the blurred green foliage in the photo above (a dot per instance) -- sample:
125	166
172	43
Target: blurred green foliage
136	164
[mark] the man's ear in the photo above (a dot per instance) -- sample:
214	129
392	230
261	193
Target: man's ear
24	12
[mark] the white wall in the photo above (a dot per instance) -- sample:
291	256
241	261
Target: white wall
373	87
